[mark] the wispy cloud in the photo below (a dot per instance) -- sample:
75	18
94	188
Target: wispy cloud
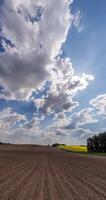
78	21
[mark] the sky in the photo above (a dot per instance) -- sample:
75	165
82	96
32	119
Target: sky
52	70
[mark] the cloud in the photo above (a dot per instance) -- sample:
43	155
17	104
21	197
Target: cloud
57	103
32	34
64	85
99	103
31	61
82	134
23	136
85	116
59	133
26	67
71	126
64	78
17	128
54	136
76	120
77	21
31	124
39	102
75	136
8	119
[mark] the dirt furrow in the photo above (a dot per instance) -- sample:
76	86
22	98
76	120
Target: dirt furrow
31	185
30	172
80	181
6	186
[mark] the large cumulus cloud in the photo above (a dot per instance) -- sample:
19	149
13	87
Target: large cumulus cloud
36	31
32	33
36	43
64	86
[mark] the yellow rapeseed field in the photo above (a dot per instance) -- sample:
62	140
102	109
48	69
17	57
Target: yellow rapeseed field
74	148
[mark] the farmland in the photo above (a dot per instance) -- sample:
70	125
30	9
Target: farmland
80	149
30	172
74	148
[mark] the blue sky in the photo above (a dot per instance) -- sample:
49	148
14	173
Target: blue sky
52	71
87	48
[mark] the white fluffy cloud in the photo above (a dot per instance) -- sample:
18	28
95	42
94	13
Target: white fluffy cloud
36	31
64	78
8	119
64	86
26	66
71	126
99	103
73	121
29	131
85	116
18	129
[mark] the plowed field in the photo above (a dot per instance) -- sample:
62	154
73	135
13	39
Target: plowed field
29	172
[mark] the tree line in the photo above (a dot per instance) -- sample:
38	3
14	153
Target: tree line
97	143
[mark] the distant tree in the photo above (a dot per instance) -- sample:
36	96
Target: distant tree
103	141
55	145
97	143
3	143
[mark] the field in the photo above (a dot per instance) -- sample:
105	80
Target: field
80	149
29	172
74	148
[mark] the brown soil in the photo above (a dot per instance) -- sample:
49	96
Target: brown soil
29	172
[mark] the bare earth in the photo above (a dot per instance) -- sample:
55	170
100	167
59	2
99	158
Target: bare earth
29	172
